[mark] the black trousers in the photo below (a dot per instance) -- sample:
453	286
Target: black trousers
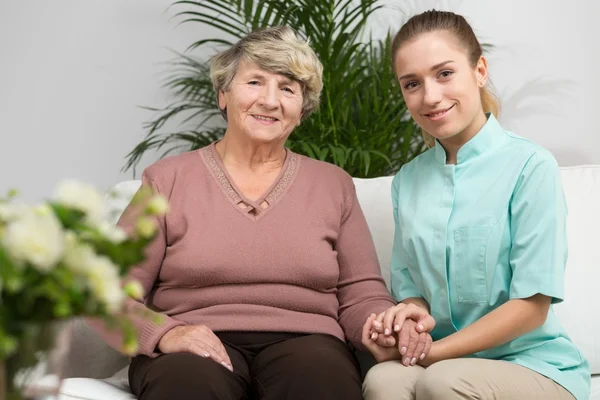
267	366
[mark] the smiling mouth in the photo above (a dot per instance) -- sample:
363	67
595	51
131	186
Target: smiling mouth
438	114
265	118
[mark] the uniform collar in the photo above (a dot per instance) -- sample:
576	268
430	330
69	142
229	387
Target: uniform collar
489	137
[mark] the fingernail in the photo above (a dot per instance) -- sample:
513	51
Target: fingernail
386	332
223	363
397	328
377	323
403	351
422	356
420	327
205	355
373	335
407	361
413	361
231	368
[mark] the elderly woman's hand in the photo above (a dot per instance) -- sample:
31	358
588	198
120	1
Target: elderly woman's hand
414	346
412	325
380	353
196	339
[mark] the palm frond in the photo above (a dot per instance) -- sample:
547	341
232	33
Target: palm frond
362	125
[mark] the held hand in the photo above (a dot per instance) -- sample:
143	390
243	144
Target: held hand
380	353
378	336
414	346
196	339
412	323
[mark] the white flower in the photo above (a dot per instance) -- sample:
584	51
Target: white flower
11	211
130	347
97	272
78	257
36	238
80	196
134	290
112	232
105	283
145	227
43	210
158	205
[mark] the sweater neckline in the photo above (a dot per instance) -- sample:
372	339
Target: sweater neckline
252	210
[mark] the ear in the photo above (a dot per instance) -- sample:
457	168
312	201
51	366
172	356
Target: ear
481	71
222	100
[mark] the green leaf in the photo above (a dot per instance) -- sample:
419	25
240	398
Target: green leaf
363	124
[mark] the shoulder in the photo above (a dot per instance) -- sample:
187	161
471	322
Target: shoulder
326	174
415	166
163	173
533	154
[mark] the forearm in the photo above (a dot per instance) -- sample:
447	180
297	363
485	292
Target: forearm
507	322
150	327
417	301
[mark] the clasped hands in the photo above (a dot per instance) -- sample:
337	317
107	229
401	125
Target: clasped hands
400	333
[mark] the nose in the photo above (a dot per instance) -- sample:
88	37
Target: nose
269	96
433	93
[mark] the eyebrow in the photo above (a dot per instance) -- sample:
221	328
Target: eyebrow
436	66
286	80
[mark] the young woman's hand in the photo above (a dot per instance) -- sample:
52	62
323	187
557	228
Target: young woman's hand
393	318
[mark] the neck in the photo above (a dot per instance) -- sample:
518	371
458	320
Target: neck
247	154
453	144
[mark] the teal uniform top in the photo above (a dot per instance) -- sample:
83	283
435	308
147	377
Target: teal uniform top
472	236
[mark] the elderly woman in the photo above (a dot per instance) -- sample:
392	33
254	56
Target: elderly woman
264	265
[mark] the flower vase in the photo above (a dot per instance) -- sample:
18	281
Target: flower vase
34	369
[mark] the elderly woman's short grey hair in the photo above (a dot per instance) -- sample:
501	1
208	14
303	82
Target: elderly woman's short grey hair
277	50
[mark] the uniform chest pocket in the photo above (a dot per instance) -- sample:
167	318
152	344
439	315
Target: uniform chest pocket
470	270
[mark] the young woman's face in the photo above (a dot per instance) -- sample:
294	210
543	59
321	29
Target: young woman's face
440	86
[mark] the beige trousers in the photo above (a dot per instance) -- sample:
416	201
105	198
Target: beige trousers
465	378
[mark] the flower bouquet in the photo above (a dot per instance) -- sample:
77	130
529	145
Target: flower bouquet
59	260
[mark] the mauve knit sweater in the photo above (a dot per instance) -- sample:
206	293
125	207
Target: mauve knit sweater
306	263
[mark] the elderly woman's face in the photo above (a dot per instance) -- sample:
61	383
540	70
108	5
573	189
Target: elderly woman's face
262	105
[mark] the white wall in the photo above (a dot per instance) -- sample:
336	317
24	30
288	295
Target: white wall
543	65
74	73
73	77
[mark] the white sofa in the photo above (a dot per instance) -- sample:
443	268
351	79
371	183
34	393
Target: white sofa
96	372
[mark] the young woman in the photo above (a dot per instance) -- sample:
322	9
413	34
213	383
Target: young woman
480	244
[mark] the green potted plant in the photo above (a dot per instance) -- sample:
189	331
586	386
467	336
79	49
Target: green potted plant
362	125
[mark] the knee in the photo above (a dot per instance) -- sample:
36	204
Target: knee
323	362
183	376
380	381
327	364
439	382
391	381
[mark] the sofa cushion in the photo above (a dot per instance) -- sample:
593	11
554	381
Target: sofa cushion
90	356
93	389
579	312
